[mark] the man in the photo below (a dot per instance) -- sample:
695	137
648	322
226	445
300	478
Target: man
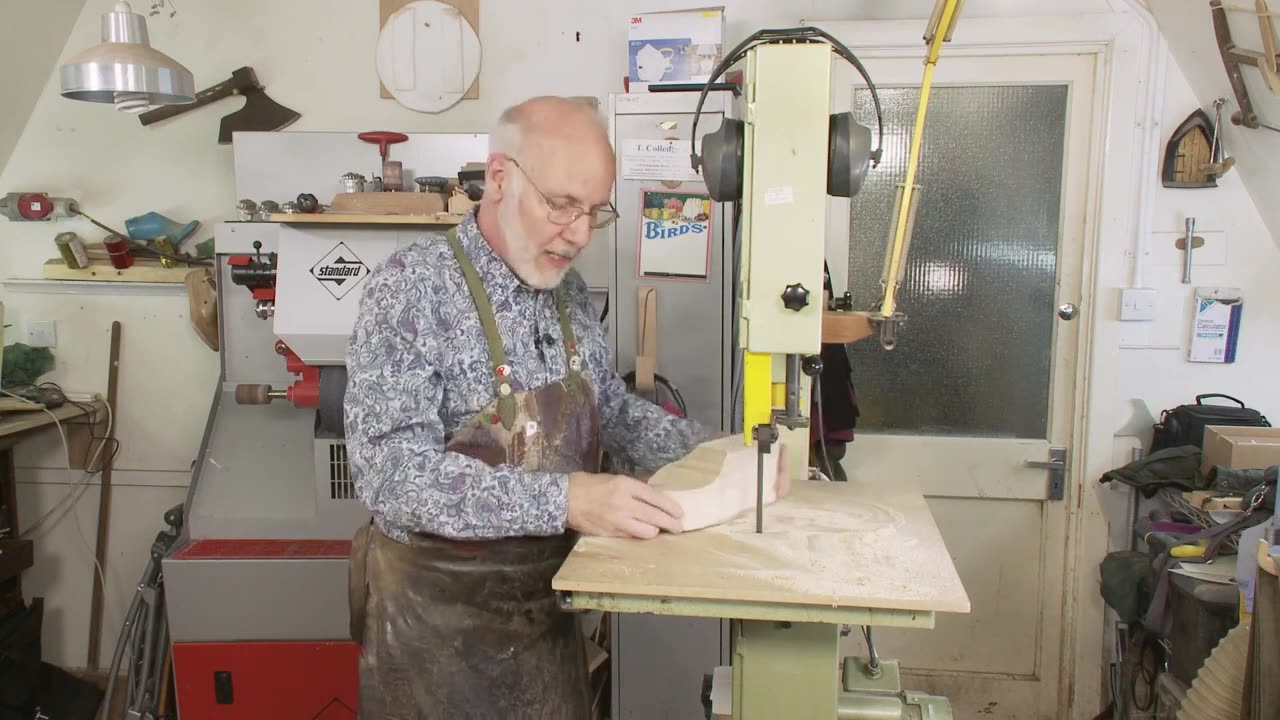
480	396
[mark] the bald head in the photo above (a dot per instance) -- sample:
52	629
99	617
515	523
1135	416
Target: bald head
549	120
549	158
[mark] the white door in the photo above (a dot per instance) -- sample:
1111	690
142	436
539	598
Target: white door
983	378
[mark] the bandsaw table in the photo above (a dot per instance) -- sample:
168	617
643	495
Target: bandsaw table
856	553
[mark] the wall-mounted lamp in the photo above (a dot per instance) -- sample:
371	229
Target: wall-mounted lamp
125	70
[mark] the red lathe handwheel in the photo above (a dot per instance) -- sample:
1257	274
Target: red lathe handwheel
383	138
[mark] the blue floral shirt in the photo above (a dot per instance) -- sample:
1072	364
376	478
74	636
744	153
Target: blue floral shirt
418	368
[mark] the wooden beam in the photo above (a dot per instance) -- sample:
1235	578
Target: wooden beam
104	508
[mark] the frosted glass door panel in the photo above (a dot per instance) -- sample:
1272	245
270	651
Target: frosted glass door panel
974	356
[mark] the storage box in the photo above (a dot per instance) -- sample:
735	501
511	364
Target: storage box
1240	448
680	46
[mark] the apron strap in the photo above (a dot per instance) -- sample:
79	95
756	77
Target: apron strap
570	344
497	356
566	329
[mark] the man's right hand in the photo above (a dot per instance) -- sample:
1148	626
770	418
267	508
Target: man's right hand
619	506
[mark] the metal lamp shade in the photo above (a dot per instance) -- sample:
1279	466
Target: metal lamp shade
125	70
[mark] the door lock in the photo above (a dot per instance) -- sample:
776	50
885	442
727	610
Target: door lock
1057	467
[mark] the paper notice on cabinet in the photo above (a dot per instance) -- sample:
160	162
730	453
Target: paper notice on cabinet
657	160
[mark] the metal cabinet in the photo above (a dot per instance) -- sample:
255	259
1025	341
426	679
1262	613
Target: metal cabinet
658	662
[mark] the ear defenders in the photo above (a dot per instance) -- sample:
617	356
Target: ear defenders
849	151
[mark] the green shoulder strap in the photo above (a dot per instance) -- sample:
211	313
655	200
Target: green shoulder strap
570	342
497	356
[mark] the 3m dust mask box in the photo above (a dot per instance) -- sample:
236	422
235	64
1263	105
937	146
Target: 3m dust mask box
680	46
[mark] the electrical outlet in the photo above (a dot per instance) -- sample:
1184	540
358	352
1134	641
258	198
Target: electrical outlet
42	333
1138	304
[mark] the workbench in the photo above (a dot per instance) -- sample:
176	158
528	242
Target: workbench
17	555
830	554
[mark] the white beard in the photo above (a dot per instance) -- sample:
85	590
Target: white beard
522	256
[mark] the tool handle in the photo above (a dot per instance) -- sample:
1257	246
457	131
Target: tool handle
240	81
383	138
1202	397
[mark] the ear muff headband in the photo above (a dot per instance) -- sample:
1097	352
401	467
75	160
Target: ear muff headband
763	37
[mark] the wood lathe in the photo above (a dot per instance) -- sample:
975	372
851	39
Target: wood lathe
793	575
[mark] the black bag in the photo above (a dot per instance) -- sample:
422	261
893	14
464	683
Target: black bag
1184	425
20	654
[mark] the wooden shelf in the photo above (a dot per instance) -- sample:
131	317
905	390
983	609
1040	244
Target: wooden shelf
146	270
357	219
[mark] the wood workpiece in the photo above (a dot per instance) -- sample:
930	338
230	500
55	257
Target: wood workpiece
857	544
718	481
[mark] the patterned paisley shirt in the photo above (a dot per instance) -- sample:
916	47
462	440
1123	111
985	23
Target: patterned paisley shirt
418	368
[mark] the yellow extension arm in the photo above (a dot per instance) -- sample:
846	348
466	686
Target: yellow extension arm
941	33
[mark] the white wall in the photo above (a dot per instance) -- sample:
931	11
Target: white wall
1146	362
1188	27
32	33
311	56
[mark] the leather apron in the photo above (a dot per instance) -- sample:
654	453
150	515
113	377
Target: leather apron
471	629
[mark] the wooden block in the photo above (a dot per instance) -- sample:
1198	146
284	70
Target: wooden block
845	327
718	480
646	337
1265	562
365	219
460	204
470	9
1222	503
1211	500
1197	498
645	381
389	203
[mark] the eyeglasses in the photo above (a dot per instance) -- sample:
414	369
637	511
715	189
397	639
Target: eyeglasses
567	214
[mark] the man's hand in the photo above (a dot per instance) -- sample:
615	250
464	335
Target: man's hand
619	506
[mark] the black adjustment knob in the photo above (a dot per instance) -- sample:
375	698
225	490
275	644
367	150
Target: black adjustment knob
307	203
795	297
811	365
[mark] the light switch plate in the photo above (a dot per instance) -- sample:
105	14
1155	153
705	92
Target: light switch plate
42	333
1137	304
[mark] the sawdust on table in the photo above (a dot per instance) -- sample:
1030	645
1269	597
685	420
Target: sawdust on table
828	554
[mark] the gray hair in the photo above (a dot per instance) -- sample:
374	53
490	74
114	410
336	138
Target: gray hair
513	124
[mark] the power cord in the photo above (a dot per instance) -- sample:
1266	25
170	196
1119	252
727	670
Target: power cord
61	433
77	489
676	397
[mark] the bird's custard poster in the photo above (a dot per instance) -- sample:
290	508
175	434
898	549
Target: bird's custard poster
675	235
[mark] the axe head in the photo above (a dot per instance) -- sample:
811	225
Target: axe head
259	114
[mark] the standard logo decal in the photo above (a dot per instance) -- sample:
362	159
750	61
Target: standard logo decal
340	270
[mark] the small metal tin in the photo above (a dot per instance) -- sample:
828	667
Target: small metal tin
352	182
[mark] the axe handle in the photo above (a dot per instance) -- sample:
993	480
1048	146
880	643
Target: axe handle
227	88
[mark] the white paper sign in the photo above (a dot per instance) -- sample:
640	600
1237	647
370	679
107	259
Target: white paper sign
657	160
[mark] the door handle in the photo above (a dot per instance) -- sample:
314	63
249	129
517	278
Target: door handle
1056	466
1045	464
